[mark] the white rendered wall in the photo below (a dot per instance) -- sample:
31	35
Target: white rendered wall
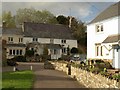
110	27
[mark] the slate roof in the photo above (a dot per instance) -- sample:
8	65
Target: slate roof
111	39
12	31
112	11
16	45
43	30
55	46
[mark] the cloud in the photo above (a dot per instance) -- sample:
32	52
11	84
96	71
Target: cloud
77	9
60	0
81	10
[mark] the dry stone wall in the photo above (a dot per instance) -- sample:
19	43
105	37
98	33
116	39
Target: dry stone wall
86	78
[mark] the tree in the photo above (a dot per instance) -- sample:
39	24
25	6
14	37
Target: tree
25	15
8	20
32	15
74	50
4	60
62	20
78	29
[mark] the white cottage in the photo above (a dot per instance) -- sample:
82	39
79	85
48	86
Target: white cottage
57	38
103	36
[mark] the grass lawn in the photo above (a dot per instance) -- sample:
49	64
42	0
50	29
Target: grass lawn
18	79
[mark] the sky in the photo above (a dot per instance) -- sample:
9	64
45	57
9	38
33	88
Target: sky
85	11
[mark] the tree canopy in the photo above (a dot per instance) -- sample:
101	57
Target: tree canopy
8	20
32	15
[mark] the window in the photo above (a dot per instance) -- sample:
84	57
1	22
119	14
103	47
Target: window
13	52
64	50
10	52
10	39
51	41
20	40
99	28
17	52
35	39
101	50
63	41
20	52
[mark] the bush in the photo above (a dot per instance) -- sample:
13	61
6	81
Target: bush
95	70
116	76
11	62
103	65
20	59
65	57
99	61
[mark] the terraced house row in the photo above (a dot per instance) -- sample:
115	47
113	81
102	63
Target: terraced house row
57	38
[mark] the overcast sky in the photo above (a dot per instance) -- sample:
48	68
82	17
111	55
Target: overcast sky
85	11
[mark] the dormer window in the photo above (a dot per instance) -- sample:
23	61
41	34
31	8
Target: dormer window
99	28
35	39
20	40
10	39
63	41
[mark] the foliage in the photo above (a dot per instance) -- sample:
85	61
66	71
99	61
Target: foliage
74	50
11	62
62	20
18	79
45	51
78	29
32	15
116	76
8	20
68	50
4	60
103	65
65	57
29	53
20	58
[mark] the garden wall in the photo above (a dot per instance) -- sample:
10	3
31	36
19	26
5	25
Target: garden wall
86	78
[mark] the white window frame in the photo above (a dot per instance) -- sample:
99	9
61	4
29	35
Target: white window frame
10	39
20	40
99	28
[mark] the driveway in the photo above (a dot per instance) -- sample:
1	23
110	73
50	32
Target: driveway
46	78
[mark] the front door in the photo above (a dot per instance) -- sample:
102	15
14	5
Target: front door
116	58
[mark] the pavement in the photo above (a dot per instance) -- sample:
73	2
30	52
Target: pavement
47	78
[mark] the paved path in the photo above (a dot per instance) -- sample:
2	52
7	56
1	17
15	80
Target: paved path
46	78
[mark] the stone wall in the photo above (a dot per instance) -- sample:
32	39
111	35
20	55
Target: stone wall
86	78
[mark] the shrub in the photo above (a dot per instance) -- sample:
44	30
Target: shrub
99	61
103	65
116	76
11	62
65	57
74	50
20	59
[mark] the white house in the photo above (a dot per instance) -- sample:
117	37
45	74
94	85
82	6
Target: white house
103	36
14	42
57	38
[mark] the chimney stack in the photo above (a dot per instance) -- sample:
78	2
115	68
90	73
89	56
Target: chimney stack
22	26
70	20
